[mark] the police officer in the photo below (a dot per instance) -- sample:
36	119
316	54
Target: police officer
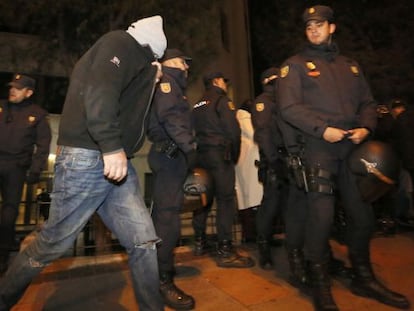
326	97
172	154
218	141
267	136
24	148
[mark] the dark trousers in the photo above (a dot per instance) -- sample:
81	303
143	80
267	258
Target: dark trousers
295	218
223	175
12	179
167	193
269	209
310	216
360	217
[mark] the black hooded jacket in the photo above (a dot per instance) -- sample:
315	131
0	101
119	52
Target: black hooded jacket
108	100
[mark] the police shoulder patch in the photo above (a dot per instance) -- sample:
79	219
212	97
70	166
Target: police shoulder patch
284	71
231	105
260	107
165	87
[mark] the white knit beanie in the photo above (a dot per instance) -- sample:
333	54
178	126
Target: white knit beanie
148	31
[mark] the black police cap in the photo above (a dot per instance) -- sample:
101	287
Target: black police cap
318	12
173	53
397	102
22	81
213	75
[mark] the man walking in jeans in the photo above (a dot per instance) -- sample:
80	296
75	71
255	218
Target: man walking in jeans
102	126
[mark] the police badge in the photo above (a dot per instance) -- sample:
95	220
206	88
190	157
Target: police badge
260	107
165	87
355	70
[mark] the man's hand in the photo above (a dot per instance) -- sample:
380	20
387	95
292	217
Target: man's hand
159	71
333	134
358	135
115	166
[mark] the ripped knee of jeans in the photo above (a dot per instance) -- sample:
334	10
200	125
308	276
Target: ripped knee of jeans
35	264
152	244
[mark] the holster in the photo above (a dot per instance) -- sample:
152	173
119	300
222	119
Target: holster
168	147
266	174
298	171
320	180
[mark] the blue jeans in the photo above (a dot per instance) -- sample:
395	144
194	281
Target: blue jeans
79	190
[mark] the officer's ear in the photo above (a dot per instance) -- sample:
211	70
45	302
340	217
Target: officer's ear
215	82
332	28
29	92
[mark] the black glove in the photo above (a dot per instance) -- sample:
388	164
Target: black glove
191	157
32	178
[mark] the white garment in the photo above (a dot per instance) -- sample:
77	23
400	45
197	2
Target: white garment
249	190
149	31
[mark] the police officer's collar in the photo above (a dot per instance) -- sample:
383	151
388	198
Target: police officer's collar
269	88
217	90
25	102
329	51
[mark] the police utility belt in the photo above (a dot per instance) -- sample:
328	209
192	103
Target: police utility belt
168	147
311	179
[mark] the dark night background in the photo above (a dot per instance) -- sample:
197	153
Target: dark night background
377	33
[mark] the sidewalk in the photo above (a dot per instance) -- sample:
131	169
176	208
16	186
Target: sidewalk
103	284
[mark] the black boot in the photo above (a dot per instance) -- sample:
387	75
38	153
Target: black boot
201	246
265	254
227	257
337	268
174	297
321	288
365	284
298	275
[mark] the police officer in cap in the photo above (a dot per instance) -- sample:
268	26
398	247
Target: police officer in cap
268	138
218	141
172	154
24	148
326	97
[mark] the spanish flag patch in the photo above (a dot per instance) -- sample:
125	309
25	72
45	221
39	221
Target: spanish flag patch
260	107
165	87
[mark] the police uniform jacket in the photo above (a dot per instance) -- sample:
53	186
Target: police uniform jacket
170	113
215	122
266	131
320	88
108	100
22	127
